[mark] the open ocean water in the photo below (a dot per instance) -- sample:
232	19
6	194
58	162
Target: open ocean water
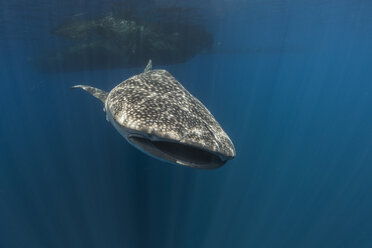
289	81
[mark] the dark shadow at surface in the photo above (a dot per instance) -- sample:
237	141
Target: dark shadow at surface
127	37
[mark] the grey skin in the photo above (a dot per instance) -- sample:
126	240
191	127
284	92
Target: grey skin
157	115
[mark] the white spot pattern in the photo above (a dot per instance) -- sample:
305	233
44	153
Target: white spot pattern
154	102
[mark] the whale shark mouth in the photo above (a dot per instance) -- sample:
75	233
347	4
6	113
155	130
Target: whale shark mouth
179	153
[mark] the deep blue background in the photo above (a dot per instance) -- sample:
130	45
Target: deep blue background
290	82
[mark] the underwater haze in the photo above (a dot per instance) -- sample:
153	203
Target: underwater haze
289	81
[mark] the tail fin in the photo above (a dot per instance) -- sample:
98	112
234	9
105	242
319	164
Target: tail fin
97	93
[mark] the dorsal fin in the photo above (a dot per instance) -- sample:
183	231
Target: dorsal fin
97	93
148	66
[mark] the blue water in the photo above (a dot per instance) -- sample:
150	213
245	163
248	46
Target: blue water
292	86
